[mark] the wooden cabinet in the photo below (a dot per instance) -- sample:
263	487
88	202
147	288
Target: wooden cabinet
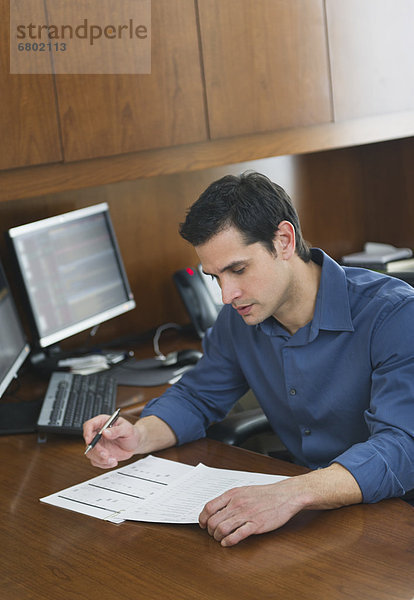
371	49
265	65
104	115
29	132
231	81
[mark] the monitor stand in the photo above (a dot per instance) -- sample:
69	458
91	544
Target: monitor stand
19	417
46	360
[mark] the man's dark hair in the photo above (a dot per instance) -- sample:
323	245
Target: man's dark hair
251	203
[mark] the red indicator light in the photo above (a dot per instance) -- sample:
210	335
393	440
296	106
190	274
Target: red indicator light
190	271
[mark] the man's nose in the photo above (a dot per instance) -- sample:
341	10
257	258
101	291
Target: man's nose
229	293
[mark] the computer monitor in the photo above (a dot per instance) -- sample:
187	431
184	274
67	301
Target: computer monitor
72	272
13	345
15	417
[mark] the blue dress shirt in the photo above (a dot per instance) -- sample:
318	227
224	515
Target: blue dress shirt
341	389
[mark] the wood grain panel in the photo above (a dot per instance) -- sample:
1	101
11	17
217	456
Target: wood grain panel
388	192
265	64
371	48
330	197
407	160
29	132
26	183
104	115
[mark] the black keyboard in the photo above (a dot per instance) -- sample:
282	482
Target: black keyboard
71	400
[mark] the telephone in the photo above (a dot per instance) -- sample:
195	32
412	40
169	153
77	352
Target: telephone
201	296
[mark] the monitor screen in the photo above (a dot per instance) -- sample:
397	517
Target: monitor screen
72	272
13	345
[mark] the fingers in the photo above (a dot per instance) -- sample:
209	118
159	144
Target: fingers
223	522
117	443
211	508
101	459
244	511
229	530
91	427
120	429
236	536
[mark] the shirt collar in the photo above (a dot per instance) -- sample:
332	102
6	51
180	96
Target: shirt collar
332	309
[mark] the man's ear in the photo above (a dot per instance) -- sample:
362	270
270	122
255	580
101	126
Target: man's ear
284	240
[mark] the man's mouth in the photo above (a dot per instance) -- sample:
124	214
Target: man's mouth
243	310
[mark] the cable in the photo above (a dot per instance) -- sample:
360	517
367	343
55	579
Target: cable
157	336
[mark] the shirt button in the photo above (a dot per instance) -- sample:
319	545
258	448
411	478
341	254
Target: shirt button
292	392
307	432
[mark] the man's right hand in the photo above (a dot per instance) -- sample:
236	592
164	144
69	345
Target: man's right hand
123	440
118	443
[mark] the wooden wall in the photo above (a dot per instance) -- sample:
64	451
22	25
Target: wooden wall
344	197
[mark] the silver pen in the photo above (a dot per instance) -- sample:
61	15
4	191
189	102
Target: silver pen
98	436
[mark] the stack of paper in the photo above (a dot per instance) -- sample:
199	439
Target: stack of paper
154	489
376	256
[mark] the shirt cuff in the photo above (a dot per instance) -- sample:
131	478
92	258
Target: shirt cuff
374	476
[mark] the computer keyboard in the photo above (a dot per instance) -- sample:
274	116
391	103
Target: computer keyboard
71	400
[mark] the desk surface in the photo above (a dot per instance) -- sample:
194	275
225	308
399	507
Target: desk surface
363	552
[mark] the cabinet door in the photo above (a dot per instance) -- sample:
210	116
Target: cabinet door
371	48
265	63
103	115
29	132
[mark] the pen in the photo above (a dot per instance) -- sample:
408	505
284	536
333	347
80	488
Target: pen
98	436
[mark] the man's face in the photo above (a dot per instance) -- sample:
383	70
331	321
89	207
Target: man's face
255	282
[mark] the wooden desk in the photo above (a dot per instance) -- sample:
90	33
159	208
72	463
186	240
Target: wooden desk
362	552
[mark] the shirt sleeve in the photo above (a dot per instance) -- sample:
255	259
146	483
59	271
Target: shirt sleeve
205	394
383	466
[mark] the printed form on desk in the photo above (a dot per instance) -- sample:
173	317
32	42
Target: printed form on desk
155	490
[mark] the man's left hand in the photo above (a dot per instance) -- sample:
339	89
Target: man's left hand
245	511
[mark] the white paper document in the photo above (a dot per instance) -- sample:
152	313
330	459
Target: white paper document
155	490
183	500
111	493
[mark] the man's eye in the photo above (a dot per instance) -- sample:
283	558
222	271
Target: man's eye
239	271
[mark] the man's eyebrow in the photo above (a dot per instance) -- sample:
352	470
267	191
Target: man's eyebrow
229	267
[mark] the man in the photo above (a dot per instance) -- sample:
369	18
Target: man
327	350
